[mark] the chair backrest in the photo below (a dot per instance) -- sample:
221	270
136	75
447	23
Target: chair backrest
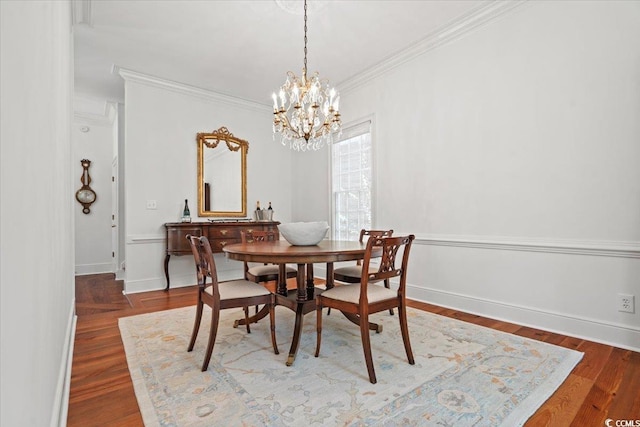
373	233
390	247
254	237
258	236
205	265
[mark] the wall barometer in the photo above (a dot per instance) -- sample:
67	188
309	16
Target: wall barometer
85	195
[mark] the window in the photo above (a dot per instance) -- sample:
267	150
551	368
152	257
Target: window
351	182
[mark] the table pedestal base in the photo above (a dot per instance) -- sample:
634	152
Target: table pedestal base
301	308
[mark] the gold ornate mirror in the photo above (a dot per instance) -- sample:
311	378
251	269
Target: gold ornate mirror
222	174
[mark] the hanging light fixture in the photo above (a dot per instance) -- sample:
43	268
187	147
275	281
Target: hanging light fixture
306	110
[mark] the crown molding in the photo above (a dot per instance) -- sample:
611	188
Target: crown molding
157	82
454	30
562	246
81	12
93	119
106	115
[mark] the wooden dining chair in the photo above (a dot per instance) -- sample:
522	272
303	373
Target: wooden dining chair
353	273
266	272
223	295
364	299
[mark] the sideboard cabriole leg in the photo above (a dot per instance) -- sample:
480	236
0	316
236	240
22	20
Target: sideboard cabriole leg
166	270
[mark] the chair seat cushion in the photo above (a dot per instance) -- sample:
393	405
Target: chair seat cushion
351	293
266	270
354	271
238	289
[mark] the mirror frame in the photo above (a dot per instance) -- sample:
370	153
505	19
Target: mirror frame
211	140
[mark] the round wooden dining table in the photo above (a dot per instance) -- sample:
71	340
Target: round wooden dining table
301	300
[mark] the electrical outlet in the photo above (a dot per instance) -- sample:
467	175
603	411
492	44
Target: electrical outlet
151	204
626	303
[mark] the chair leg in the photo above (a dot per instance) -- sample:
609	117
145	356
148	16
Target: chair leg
387	285
405	332
196	325
213	331
246	319
272	319
366	346
318	326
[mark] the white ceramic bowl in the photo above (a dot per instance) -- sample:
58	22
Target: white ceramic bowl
304	233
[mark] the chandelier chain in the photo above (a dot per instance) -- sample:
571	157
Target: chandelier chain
305	40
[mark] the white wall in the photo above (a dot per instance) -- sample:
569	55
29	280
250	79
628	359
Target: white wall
162	120
512	153
36	216
93	230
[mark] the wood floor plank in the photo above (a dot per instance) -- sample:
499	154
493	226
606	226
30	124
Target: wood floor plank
594	359
114	408
571	342
593	409
561	408
554	338
626	404
604	384
613	371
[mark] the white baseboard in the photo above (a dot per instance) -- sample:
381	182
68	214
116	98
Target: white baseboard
604	332
61	400
610	333
146	285
84	269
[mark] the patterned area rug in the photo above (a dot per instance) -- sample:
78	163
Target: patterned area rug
465	375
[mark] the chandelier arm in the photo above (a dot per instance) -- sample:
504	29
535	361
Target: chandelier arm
287	128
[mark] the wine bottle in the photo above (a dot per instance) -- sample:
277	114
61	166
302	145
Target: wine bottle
258	205
186	214
270	208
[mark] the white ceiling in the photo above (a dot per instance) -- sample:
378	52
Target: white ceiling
244	48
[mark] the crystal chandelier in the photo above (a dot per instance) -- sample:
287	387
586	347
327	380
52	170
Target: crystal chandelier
305	111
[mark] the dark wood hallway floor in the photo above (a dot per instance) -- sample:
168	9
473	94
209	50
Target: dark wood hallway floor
605	384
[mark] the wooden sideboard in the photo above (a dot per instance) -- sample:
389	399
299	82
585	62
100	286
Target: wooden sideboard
219	234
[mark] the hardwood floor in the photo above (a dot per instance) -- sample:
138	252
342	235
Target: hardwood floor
605	384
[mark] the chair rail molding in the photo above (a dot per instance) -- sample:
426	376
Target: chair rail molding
624	249
136	239
157	82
